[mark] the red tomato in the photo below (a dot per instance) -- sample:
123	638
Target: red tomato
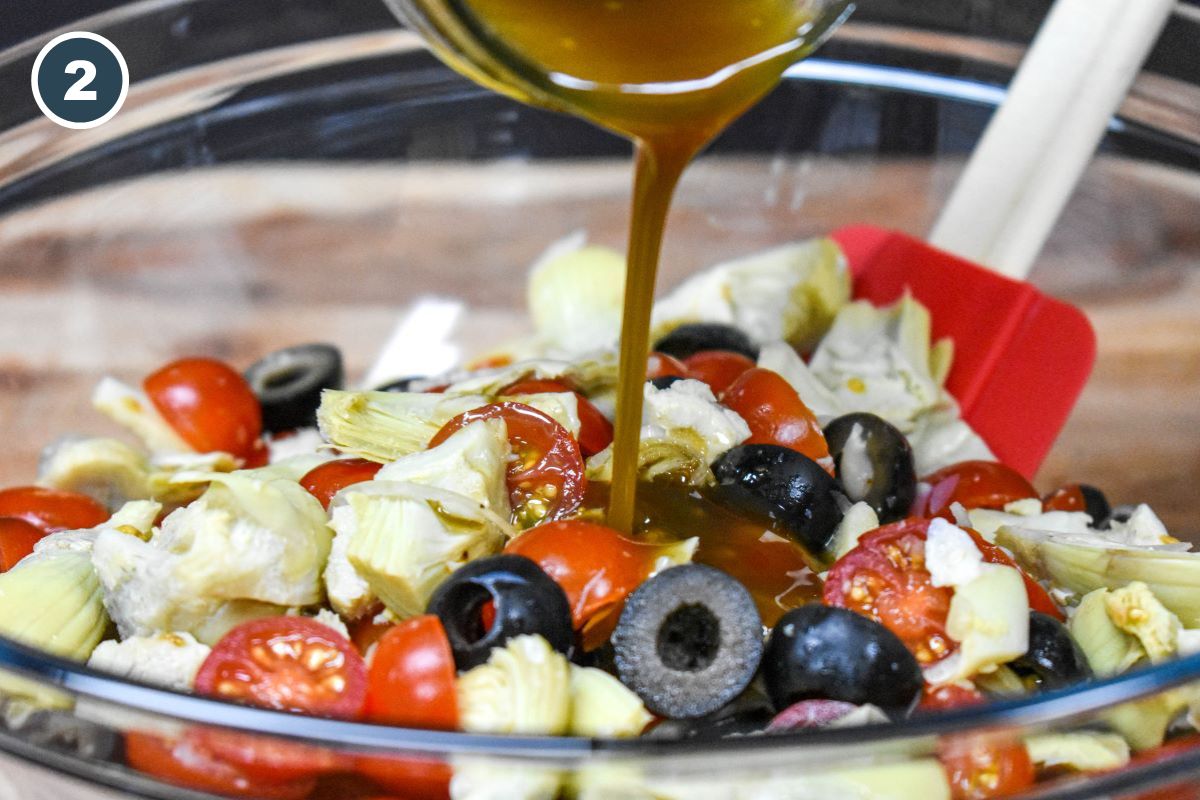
51	509
17	538
717	368
661	365
1065	498
983	767
596	566
1186	789
288	664
776	414
187	763
265	759
545	480
326	480
974	484
949	697
884	578
412	777
595	431
410	682
210	406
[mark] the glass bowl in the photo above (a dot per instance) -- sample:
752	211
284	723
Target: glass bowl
302	170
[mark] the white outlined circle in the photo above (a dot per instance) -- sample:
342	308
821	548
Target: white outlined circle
110	47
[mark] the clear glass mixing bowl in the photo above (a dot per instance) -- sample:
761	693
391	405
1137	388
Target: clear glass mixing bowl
301	170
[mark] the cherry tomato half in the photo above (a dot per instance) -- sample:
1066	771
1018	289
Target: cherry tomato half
596	566
884	577
51	509
717	368
410	682
17	538
948	697
210	405
984	767
776	414
974	484
661	365
187	763
288	664
595	431
545	480
326	480
411	777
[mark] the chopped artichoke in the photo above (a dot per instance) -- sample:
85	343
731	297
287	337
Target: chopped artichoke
1144	723
479	778
989	618
575	296
53	602
919	779
166	659
1142	529
788	293
472	462
384	426
987	521
132	410
1109	650
940	438
688	412
601	706
1170	573
858	519
1003	682
562	407
657	458
523	688
780	357
305	442
1135	610
332	620
248	538
405	539
1086	751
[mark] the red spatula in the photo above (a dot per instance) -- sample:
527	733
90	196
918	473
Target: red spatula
1021	358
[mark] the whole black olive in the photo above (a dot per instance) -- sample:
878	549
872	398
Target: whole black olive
525	600
748	713
1053	656
289	383
694	337
688	641
874	464
820	652
783	486
1095	504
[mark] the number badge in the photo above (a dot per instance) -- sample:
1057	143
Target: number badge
80	80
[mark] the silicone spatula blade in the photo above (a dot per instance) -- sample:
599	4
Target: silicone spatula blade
1021	358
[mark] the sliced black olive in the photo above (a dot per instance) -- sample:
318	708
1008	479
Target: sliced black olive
819	652
1053	656
874	463
398	385
1095	504
747	714
688	641
525	600
783	486
665	381
289	383
694	337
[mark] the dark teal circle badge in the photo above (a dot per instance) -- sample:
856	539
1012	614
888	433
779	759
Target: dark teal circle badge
80	80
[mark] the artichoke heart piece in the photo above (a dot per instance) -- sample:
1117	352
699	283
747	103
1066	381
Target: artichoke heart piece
1109	650
601	706
404	539
562	407
575	295
132	409
1086	751
989	617
1171	574
54	602
252	541
472	462
1135	610
383	426
787	293
525	687
168	659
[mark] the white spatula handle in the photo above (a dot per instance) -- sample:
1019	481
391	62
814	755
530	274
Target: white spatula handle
1037	145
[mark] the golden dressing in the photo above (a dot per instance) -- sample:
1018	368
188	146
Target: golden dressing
667	74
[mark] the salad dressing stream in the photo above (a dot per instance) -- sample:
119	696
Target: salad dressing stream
668	75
